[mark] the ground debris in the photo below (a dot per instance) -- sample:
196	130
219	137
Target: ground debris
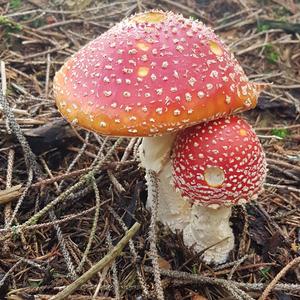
39	261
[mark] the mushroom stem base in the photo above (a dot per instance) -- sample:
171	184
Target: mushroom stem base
173	210
209	229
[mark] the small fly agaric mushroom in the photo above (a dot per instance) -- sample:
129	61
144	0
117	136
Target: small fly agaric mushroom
149	76
216	165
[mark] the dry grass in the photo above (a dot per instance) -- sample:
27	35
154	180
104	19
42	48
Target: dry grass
36	37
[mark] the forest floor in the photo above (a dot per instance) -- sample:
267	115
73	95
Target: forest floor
44	250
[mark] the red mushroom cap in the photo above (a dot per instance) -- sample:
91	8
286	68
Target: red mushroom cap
154	73
219	162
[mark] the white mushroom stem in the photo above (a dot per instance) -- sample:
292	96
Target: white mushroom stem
155	151
173	210
208	227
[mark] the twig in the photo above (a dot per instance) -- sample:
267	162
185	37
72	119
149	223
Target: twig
291	167
77	157
3	77
227	284
20	201
9	195
64	12
194	278
114	269
60	47
281	170
283	187
100	153
10	271
10	163
186	9
100	282
28	154
242	243
47	75
62	244
153	189
4	88
136	149
236	265
133	251
29	262
272	284
128	149
70	266
115	182
106	260
269	137
81	183
258	206
94	226
106	165
139	5
59	221
18	228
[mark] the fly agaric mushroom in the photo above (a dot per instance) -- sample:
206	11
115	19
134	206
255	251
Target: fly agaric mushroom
149	76
216	165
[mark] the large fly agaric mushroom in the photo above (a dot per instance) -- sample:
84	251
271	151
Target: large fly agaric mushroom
216	165
149	76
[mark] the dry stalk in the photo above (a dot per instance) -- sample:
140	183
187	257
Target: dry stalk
109	165
62	243
128	149
77	157
60	238
7	208
105	261
136	149
100	153
29	262
47	75
272	284
114	269
230	264
67	218
20	201
242	242
63	247
153	189
30	159
118	186
283	187
81	183
100	282
10	165
236	265
94	226
10	271
133	251
200	279
28	154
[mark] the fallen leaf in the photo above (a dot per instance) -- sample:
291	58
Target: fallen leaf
198	297
56	134
164	264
